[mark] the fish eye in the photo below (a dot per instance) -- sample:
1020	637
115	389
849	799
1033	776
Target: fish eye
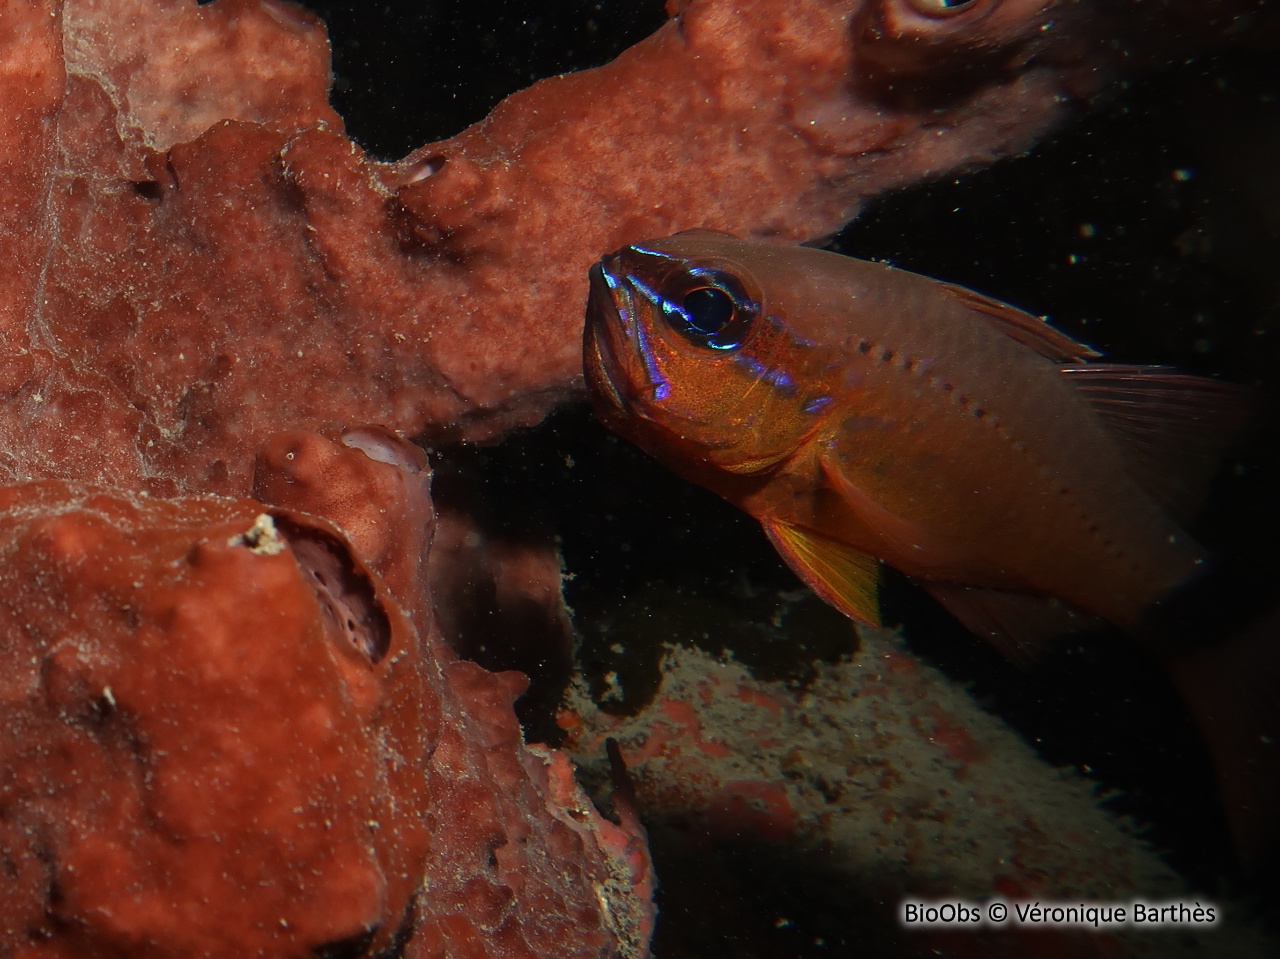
941	8
709	307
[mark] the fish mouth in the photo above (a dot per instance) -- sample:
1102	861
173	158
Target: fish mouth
600	359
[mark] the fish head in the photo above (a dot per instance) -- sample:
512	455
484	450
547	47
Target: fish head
688	355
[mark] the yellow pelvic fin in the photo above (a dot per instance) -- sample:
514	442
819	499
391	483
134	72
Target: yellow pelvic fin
841	576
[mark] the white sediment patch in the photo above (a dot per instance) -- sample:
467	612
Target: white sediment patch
903	781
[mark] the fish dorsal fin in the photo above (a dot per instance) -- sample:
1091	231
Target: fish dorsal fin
1172	427
1031	331
841	576
1020	625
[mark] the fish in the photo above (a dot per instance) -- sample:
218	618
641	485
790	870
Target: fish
869	416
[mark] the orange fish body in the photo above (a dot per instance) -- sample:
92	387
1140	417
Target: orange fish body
863	413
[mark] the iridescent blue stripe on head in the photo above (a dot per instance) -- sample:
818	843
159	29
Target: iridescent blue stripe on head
651	370
620	294
649	292
643	252
777	378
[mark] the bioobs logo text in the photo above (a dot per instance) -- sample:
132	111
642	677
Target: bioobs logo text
955	913
1096	915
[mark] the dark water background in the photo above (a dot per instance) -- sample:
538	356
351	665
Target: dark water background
1149	229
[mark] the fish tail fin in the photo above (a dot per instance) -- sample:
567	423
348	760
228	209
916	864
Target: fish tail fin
1233	690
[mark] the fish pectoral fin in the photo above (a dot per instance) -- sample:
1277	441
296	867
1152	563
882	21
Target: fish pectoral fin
1020	625
898	535
841	576
1030	331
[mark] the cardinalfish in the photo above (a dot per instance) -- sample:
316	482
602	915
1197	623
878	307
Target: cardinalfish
866	415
